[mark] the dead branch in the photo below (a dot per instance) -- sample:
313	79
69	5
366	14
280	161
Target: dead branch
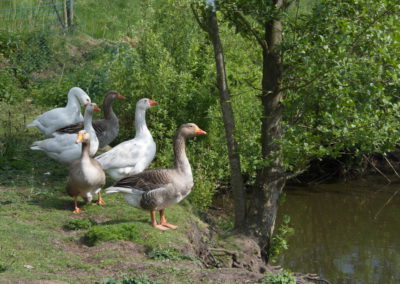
390	164
379	171
386	203
233	253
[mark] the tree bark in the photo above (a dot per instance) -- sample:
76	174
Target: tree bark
270	179
70	13
229	121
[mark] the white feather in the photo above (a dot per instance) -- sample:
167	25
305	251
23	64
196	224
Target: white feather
54	119
132	156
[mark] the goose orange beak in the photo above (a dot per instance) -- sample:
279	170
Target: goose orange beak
79	139
96	108
200	132
153	103
119	96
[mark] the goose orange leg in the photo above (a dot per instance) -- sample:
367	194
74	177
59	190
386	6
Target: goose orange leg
163	221
100	200
77	210
154	222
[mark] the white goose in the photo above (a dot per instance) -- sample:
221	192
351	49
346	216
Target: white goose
54	119
63	147
132	156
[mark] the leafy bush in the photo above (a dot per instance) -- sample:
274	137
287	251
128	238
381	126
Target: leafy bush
283	278
279	238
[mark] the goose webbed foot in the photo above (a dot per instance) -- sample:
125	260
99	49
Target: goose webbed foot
169	226
100	200
163	221
159	227
154	222
77	209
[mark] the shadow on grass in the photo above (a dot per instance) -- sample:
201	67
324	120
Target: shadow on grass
121	221
57	203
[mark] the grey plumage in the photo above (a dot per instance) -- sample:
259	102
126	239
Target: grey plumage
159	188
107	129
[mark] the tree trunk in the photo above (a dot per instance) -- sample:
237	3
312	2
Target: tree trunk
70	13
229	121
270	179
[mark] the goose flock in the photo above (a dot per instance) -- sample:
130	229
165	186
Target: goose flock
73	139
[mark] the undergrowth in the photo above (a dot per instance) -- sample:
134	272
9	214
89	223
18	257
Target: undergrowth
79	224
142	279
280	238
282	278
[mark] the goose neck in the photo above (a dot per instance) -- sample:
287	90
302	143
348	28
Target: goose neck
85	150
140	123
108	110
73	102
87	121
181	161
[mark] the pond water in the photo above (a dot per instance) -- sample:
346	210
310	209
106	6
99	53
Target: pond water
345	232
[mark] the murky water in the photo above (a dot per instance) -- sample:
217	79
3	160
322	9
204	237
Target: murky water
345	232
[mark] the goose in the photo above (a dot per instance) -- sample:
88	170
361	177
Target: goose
132	156
62	147
106	129
54	119
86	177
156	189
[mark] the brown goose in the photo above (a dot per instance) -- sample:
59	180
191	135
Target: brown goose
86	177
155	190
106	129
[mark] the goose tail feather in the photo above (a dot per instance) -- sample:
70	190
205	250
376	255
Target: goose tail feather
115	189
33	123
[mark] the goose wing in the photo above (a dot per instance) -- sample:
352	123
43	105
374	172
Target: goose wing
125	154
57	144
147	181
98	126
72	128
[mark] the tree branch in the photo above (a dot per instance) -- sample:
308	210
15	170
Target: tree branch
197	17
245	23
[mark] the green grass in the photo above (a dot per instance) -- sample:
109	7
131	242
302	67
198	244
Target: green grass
109	19
33	231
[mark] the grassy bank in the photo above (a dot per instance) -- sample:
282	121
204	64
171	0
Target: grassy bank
40	236
41	239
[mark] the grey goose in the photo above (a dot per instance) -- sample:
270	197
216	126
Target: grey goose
156	189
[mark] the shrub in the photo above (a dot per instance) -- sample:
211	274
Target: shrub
279	238
282	278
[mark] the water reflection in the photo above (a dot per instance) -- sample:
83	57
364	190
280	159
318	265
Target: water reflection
344	232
